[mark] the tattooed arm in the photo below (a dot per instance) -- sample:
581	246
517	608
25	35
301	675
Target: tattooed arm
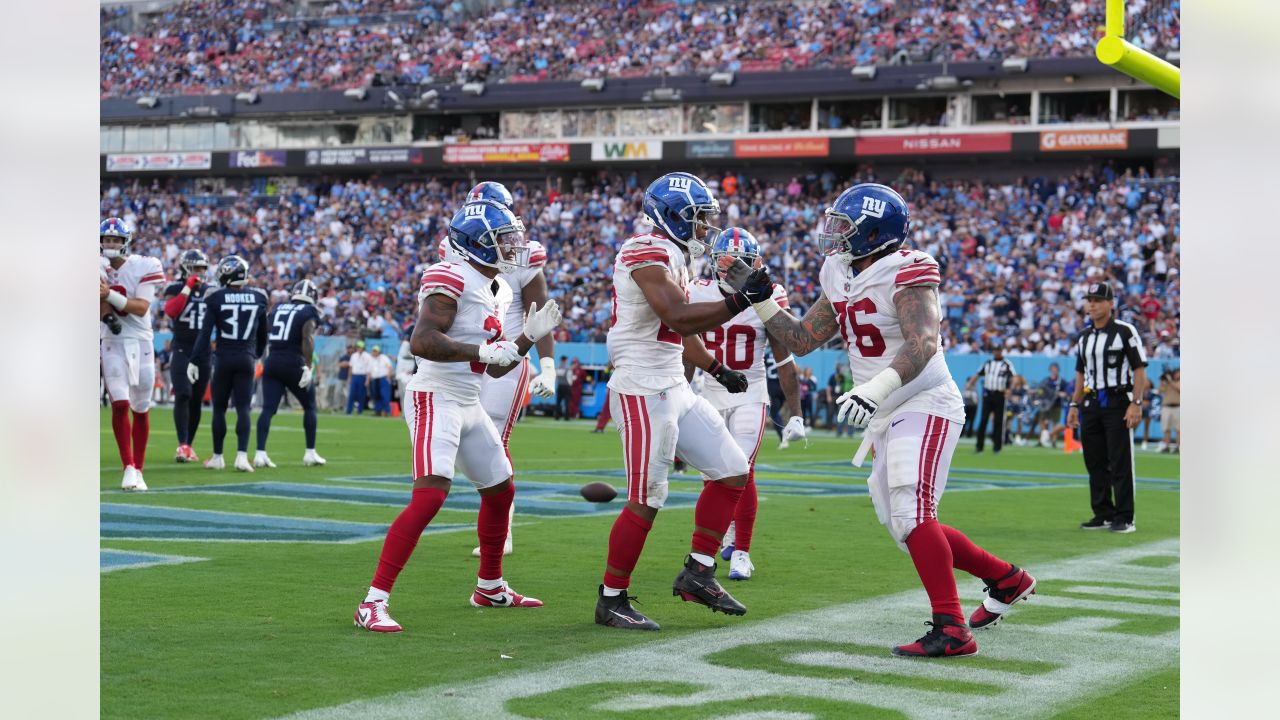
802	337
918	315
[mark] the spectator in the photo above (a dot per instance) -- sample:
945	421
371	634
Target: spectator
808	396
361	364
579	378
1051	398
380	382
1170	410
838	384
336	387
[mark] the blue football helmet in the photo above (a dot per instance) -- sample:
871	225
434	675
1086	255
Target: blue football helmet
305	291
864	220
487	233
233	271
114	228
679	203
497	192
734	242
193	261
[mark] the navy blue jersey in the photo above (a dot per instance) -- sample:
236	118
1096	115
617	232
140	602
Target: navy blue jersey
285	326
240	317
191	320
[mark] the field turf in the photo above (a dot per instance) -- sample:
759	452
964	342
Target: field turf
230	595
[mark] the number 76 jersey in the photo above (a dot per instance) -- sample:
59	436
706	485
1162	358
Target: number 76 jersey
869	324
738	344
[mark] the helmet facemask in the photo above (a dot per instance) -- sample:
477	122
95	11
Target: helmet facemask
114	251
510	246
698	216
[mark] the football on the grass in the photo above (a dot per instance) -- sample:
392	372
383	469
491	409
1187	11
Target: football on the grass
599	492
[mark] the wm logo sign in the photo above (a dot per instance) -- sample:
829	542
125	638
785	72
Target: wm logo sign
626	150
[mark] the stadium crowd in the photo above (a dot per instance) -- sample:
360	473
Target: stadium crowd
1016	256
208	46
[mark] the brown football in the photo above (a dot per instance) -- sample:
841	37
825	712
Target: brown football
598	492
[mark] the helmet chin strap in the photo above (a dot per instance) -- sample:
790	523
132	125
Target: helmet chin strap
696	248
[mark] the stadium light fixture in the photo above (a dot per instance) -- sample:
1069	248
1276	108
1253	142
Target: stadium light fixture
666	94
723	79
864	72
358	94
148	101
593	84
1014	65
248	98
944	82
473	88
201	111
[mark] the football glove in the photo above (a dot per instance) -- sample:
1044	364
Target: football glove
305	380
732	380
794	429
193	282
861	403
501	353
193	372
544	385
755	284
538	323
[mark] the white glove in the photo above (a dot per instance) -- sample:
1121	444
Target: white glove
539	322
544	385
501	353
305	380
794	429
861	403
193	372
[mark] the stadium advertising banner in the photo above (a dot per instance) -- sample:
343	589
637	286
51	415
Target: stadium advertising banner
507	153
364	156
782	148
934	144
708	149
257	159
648	150
133	162
1069	140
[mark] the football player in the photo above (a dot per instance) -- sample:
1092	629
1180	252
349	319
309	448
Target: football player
655	330
503	397
127	285
739	345
291	345
883	300
458	338
184	304
239	314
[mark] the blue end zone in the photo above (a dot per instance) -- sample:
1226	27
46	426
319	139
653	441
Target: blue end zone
109	560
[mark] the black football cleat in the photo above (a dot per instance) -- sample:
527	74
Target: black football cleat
617	612
113	323
948	638
697	583
1095	523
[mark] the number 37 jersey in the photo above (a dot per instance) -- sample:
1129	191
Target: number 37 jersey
869	324
738	344
481	304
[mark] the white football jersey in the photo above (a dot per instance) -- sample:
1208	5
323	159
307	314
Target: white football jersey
646	354
480	308
513	323
138	277
869	324
738	344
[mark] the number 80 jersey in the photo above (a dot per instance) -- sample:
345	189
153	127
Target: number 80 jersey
738	344
481	304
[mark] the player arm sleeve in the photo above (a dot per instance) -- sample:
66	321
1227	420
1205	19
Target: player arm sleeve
444	280
174	306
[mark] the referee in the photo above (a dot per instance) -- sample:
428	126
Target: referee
1106	406
997	374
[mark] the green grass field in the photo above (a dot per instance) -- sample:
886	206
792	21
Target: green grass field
230	595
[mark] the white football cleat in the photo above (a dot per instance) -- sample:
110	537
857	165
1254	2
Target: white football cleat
242	462
506	548
215	462
373	616
260	459
132	481
740	567
312	458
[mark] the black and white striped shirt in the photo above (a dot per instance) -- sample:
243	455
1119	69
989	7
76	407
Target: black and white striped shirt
1109	355
996	375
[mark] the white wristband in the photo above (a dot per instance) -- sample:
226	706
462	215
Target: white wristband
881	386
789	358
547	365
116	300
767	309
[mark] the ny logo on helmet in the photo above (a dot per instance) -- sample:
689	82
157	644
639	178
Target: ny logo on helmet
473	211
873	207
680	183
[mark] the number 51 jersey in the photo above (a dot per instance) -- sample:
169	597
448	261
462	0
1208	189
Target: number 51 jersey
738	344
481	304
869	324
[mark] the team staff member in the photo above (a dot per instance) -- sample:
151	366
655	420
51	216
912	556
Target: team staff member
380	382
997	377
1106	405
360	365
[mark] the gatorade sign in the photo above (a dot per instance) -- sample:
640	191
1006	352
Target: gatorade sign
647	150
1074	140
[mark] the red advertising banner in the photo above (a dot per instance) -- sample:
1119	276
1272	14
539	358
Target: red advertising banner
507	153
782	148
934	144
